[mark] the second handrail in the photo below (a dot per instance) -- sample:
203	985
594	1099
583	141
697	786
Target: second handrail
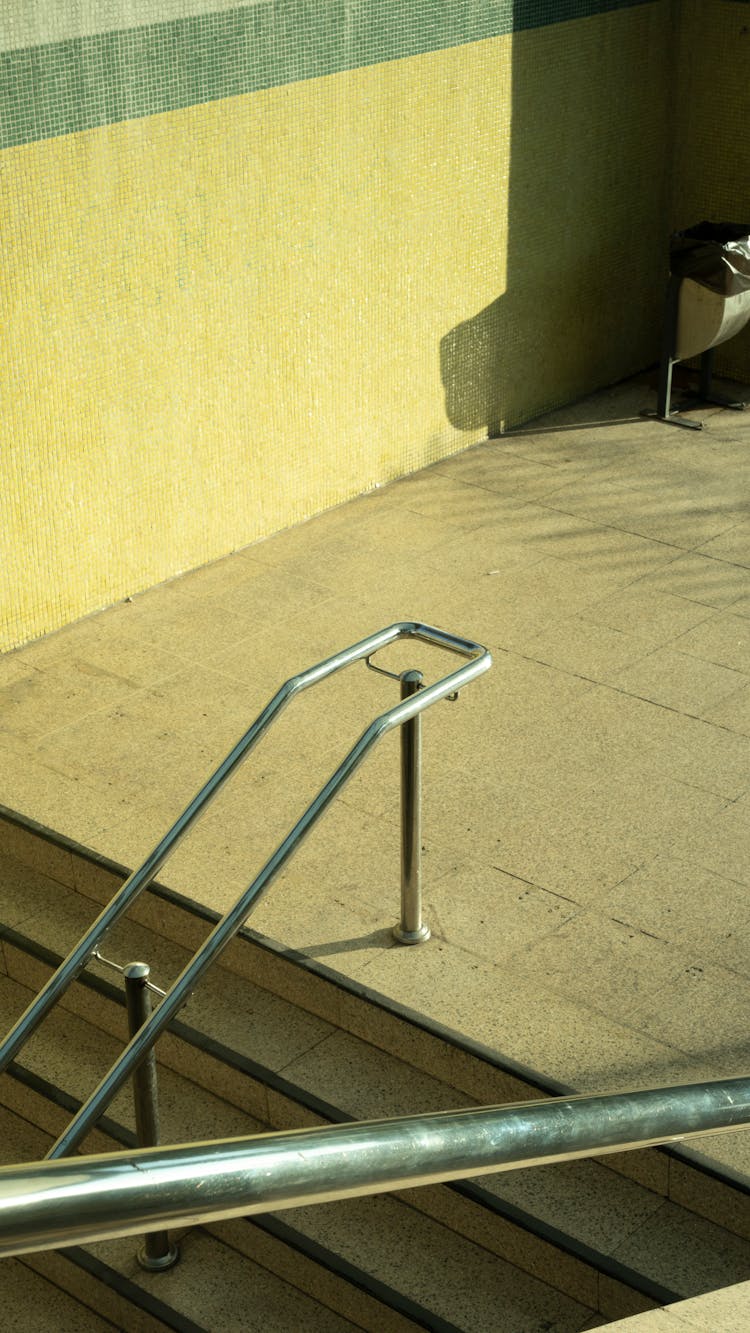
479	661
230	923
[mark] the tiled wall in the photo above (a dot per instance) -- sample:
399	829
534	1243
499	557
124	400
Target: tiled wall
258	258
711	153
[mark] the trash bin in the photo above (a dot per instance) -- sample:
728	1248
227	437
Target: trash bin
708	301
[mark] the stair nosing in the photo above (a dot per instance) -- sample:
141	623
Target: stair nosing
129	1290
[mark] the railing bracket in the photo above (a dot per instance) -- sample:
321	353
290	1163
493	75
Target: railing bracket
381	671
117	967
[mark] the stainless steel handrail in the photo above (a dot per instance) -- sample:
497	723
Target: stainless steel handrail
479	662
50	1204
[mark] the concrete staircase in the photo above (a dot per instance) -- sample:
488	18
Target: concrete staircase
271	1040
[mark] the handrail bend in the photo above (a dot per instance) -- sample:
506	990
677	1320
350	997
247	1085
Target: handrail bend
45	1205
479	662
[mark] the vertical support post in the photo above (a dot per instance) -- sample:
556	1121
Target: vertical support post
668	348
664	391
157	1251
669	359
411	929
707	372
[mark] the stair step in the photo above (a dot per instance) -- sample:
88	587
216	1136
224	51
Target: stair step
711	1177
371	1082
218	1288
212	1287
529	1305
63	1047
291	1043
31	1303
73	1054
567	1225
465	1285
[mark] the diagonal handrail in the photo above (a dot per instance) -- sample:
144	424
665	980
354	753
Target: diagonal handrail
479	662
44	1205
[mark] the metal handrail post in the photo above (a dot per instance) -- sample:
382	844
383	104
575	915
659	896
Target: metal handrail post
411	928
157	1251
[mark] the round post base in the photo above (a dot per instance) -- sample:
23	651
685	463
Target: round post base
156	1263
411	936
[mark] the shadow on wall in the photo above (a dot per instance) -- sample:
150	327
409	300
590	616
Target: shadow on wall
471	365
586	221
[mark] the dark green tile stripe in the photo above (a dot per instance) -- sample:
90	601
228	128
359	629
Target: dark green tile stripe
63	87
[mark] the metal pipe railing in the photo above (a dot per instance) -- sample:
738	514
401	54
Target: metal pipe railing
225	929
140	879
47	1205
401	713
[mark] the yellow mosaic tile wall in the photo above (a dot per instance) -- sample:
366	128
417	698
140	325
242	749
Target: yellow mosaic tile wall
228	317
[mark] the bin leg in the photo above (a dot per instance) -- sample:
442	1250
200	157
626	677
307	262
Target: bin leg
664	400
664	409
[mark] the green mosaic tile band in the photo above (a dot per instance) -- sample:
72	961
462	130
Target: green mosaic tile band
64	87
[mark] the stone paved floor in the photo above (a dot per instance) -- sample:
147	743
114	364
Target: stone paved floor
725	1311
586	802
